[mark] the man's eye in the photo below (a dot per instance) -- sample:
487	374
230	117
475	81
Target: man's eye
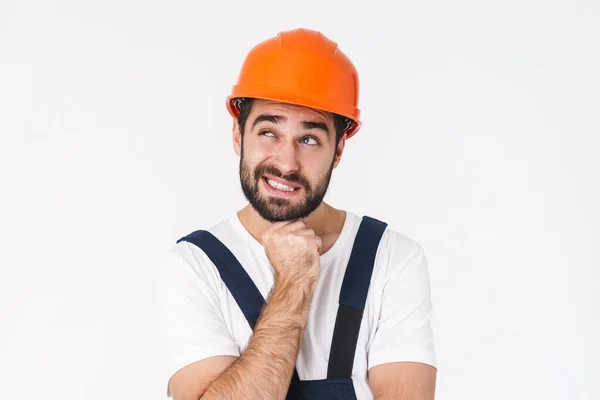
267	133
310	140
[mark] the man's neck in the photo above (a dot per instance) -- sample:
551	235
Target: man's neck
325	221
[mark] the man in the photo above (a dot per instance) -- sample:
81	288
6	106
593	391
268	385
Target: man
291	297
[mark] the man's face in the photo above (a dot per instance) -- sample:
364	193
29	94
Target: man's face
287	155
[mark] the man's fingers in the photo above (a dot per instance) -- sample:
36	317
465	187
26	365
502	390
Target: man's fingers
283	227
292	226
305	232
306	220
319	243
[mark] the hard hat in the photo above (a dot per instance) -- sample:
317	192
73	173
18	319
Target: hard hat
302	67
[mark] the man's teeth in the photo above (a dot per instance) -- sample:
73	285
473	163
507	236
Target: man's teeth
280	186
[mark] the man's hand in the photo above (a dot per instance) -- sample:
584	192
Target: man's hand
293	250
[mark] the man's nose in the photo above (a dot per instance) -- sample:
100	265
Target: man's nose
286	158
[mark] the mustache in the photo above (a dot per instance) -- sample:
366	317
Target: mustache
271	170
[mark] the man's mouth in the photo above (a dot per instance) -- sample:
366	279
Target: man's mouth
276	184
279	186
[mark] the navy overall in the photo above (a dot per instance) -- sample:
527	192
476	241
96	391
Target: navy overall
353	295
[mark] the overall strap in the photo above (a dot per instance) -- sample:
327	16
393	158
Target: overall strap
242	288
353	297
237	280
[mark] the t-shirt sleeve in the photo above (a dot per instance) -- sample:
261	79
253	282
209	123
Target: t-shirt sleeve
403	330
191	320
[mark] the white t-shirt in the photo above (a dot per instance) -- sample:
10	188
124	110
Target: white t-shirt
201	319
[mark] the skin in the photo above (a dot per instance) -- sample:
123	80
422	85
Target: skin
293	247
292	150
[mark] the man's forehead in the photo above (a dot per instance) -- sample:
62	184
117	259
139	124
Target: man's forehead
262	106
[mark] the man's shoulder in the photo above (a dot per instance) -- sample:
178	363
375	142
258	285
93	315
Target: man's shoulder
396	239
184	260
218	228
401	243
397	249
183	246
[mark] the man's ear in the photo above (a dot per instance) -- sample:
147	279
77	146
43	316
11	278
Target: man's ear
237	138
339	150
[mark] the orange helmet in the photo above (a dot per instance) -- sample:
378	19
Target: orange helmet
300	67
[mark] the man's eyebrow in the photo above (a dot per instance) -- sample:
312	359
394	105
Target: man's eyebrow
316	125
269	118
276	119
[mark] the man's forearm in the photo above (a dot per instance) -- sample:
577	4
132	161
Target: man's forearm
264	369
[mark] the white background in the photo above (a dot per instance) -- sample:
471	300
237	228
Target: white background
480	141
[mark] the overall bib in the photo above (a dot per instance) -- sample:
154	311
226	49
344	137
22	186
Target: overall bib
353	295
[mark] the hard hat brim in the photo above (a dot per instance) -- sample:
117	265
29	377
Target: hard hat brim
329	105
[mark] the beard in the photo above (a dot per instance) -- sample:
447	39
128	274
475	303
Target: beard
274	209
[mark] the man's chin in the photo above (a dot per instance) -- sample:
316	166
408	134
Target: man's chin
278	213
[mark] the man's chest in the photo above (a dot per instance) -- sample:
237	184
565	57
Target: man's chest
315	348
